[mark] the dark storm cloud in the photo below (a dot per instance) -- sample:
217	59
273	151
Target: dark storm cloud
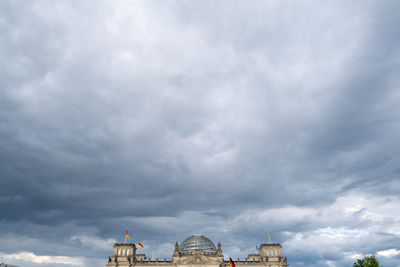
228	120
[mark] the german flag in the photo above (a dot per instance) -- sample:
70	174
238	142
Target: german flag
126	234
139	245
231	263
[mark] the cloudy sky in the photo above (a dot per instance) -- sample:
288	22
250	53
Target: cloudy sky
229	119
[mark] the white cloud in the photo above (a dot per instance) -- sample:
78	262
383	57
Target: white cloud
388	252
340	233
298	236
31	257
354	255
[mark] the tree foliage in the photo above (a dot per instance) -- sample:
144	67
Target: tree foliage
369	261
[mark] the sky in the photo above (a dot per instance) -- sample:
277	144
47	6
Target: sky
231	119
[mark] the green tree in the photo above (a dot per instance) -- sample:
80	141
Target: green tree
369	261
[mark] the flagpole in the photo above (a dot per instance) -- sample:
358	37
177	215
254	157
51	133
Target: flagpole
153	252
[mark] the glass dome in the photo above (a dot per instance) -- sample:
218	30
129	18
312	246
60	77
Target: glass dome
197	243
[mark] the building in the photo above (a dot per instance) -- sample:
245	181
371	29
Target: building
197	251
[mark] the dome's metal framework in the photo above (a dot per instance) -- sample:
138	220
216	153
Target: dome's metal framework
197	243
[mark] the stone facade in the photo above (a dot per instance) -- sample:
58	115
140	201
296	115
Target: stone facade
194	253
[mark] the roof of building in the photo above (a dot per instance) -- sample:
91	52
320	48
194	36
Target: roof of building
271	244
197	243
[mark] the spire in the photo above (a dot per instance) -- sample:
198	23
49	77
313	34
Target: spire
176	251
219	250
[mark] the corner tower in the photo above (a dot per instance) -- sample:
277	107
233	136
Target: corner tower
124	254
271	253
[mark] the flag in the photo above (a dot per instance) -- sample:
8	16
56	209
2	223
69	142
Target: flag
139	245
256	247
231	263
126	234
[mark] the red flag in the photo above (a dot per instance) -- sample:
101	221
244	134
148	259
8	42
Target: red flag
231	263
139	245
